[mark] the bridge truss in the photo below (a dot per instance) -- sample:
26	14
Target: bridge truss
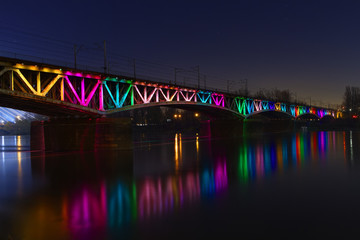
69	92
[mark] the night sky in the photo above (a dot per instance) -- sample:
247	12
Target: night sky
311	48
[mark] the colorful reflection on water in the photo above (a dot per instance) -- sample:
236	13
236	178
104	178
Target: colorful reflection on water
96	196
261	158
116	204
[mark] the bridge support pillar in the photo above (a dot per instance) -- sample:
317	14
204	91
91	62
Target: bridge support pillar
226	127
81	134
260	126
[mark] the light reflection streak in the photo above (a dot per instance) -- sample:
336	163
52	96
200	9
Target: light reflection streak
197	147
20	173
3	147
178	151
114	205
119	203
87	209
351	148
261	159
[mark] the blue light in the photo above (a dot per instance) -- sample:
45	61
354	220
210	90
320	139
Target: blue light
11	115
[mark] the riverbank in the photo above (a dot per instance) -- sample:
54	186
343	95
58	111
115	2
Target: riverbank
222	127
20	127
330	125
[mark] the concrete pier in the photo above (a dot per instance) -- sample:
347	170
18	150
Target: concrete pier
81	134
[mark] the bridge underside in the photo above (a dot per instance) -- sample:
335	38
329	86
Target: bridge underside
43	106
209	110
269	115
308	116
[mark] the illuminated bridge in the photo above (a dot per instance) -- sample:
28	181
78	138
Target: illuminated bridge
62	92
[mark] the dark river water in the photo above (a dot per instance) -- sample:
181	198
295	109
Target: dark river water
299	185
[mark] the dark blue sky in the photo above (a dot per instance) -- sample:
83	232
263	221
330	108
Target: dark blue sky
309	47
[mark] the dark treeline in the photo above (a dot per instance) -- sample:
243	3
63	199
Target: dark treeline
19	127
277	95
351	102
163	115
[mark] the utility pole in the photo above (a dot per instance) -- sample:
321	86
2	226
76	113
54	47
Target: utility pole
105	62
175	76
75	53
198	69
246	86
75	56
175	71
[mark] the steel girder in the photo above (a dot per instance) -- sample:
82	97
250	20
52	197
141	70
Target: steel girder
97	92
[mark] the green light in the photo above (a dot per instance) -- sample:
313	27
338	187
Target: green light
243	164
134	202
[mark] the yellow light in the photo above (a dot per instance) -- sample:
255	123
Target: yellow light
176	152
175	116
179	115
196	114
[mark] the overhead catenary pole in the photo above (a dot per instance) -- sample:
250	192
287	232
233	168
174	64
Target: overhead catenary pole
246	86
76	50
75	56
105	62
175	69
198	68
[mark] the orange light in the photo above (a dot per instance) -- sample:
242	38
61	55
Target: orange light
196	114
175	116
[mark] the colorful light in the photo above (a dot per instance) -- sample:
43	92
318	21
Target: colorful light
122	92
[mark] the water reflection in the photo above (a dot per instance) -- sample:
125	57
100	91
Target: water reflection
14	172
351	139
267	156
112	204
87	195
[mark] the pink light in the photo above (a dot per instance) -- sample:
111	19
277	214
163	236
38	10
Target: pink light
88	209
221	180
218	99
